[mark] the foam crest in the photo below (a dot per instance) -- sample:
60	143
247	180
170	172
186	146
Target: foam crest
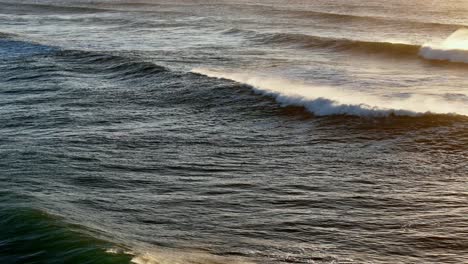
184	257
158	255
454	48
324	101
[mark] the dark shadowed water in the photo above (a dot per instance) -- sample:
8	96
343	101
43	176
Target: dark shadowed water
233	132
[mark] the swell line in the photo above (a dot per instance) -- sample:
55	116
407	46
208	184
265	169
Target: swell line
309	41
296	40
431	52
68	62
41	8
340	17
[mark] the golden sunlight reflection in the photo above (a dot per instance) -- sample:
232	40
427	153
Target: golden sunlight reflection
457	41
454	48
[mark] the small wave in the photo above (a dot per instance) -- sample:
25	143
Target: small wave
33	8
336	44
5	35
454	48
325	101
235	31
12	48
109	65
346	18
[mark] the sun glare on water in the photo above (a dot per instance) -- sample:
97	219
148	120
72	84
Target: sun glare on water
457	41
454	48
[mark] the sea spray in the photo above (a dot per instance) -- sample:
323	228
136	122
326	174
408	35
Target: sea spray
454	48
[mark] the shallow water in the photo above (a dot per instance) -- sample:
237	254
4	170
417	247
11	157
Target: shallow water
233	132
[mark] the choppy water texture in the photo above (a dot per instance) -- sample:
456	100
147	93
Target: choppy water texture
233	131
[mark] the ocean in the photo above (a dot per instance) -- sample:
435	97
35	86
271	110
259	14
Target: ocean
242	131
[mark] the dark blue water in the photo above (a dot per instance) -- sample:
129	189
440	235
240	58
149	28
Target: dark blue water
113	154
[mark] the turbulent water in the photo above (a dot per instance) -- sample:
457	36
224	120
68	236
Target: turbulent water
243	131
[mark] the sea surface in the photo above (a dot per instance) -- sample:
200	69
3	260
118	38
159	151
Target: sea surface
226	132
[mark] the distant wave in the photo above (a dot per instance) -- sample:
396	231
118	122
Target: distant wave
309	41
108	62
46	8
336	44
340	17
112	64
108	65
325	101
57	9
5	35
443	52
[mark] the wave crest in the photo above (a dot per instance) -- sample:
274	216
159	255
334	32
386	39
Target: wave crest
348	17
454	48
325	101
297	40
114	65
168	256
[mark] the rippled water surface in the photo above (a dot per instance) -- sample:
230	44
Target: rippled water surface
233	131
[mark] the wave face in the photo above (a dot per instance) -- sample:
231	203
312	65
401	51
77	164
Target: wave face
453	49
368	20
32	236
309	41
324	101
50	9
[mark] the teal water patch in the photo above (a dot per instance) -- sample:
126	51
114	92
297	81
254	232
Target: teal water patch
32	236
19	49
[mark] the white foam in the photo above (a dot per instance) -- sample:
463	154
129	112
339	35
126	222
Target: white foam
323	101
454	48
114	251
186	257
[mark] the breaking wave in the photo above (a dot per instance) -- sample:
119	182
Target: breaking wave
325	101
454	48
